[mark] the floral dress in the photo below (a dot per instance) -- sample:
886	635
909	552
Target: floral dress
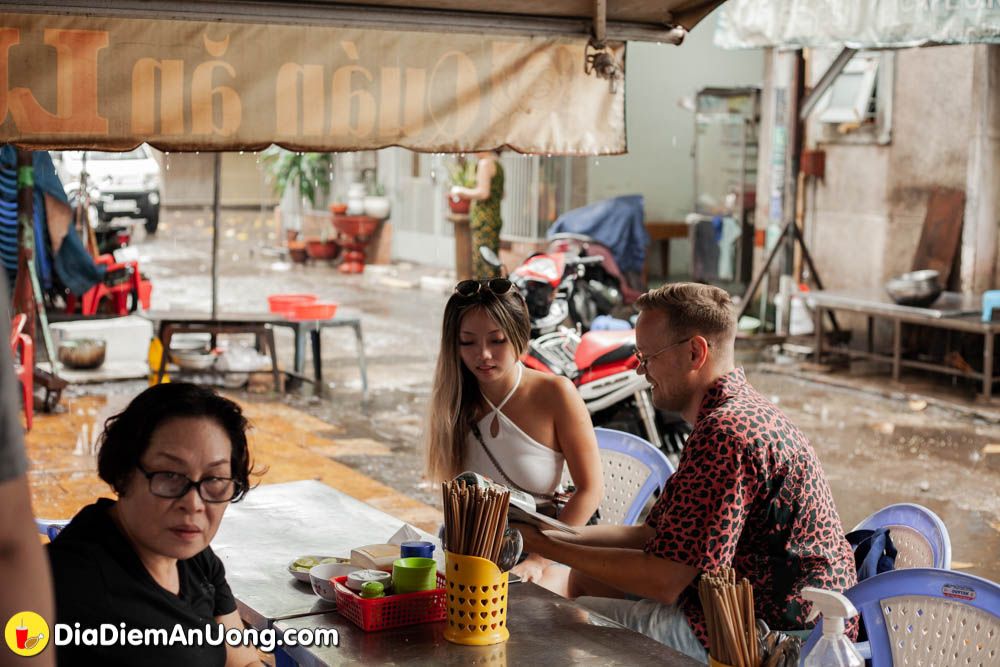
485	223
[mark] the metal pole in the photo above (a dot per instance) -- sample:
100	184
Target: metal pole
216	208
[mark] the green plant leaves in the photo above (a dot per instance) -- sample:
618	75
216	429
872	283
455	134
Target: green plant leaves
311	171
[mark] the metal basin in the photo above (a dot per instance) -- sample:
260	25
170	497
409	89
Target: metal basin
82	353
916	288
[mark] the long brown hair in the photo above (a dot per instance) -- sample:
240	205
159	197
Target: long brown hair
456	393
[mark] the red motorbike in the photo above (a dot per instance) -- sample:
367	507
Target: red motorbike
574	279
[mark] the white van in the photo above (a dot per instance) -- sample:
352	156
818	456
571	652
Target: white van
129	182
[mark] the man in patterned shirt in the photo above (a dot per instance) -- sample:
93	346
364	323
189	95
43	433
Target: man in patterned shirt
748	493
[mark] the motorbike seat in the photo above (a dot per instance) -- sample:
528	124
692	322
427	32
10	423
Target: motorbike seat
603	347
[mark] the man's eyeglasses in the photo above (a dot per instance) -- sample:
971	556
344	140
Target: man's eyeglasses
166	484
470	288
644	359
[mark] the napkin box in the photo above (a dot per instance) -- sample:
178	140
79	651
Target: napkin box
375	556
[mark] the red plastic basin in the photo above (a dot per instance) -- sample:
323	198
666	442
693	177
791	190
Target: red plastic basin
312	311
283	303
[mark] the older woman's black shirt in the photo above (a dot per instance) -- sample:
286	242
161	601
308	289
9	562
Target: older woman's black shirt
99	579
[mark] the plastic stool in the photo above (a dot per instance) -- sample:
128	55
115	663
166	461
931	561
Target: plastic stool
991	300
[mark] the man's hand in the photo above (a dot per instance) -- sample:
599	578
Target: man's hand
532	568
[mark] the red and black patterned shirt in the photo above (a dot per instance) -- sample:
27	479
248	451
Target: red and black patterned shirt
749	493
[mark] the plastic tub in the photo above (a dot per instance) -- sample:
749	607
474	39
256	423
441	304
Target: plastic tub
312	311
283	303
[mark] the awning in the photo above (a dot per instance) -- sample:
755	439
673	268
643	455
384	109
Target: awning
857	24
321	76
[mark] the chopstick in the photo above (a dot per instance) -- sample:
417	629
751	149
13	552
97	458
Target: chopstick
475	518
729	618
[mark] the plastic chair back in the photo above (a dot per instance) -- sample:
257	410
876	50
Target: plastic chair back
926	616
23	350
918	534
633	470
50	527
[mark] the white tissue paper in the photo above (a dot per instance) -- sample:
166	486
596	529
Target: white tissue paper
405	534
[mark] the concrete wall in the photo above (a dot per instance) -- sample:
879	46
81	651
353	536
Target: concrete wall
659	163
932	122
188	180
865	221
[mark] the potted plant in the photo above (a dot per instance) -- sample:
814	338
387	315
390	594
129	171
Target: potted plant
462	172
298	178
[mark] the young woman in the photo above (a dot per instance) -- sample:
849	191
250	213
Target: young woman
484	214
491	415
176	457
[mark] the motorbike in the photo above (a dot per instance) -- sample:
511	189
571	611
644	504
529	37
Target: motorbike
109	235
574	279
600	363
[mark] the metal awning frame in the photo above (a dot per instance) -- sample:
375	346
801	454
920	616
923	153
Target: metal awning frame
377	18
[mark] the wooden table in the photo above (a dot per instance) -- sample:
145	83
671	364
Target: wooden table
952	312
664	232
260	536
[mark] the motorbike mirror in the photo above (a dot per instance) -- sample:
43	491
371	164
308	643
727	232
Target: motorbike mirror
489	256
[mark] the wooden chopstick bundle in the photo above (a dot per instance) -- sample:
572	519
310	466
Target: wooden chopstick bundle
730	618
474	519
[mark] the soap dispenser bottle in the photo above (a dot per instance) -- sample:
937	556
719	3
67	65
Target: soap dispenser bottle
834	649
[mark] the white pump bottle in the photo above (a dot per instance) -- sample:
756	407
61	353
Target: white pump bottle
834	649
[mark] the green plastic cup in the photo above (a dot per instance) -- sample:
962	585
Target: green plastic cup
410	575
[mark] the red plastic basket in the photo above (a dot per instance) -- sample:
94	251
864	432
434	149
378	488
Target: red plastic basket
392	611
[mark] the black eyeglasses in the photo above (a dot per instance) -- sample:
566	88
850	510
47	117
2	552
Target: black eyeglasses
470	288
644	359
165	484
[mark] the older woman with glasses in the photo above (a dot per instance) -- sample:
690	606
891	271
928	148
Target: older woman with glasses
491	415
175	457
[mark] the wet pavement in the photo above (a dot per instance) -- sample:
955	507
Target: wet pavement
876	450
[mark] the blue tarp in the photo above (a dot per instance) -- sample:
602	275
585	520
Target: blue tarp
73	265
617	223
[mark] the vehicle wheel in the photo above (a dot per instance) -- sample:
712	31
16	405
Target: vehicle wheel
153	221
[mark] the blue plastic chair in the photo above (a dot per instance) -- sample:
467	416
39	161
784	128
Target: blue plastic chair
918	534
633	470
926	616
991	301
50	527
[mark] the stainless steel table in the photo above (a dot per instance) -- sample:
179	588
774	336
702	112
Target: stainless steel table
545	629
261	324
951	311
275	524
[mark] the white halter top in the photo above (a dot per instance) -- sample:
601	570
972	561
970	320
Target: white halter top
530	464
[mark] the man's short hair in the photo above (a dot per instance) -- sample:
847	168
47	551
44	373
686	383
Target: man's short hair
693	309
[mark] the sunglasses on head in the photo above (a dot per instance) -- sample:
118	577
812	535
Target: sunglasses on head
470	288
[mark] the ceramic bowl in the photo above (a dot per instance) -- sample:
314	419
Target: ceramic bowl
193	360
321	577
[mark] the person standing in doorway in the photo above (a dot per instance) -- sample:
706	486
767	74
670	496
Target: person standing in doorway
484	214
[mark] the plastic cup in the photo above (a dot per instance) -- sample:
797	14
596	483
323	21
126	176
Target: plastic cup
416	550
410	575
21	635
